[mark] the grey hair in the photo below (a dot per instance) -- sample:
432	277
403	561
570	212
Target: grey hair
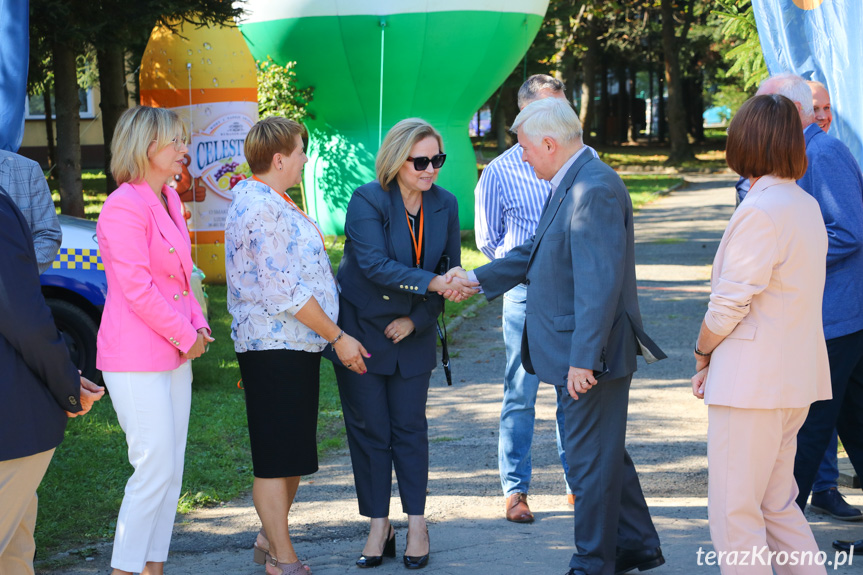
530	90
794	88
550	117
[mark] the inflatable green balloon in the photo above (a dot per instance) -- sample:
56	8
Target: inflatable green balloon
373	63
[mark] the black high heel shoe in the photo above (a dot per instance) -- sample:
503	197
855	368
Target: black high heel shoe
375	560
420	561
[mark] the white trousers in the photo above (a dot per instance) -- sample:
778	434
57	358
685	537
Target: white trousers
19	479
153	410
751	492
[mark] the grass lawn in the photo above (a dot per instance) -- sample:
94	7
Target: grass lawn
82	490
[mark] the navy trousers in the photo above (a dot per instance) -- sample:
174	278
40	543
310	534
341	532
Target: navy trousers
610	510
385	420
844	412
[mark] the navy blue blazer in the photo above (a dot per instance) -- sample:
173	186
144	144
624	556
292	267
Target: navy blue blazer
38	382
379	279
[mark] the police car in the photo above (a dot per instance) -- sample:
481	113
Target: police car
75	287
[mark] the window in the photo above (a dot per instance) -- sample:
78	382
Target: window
36	106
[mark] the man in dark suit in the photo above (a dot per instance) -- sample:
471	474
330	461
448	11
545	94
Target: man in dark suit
582	331
39	390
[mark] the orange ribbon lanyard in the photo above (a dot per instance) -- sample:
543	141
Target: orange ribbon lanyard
293	204
418	245
752	183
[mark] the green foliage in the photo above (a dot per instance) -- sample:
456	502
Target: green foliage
278	92
741	37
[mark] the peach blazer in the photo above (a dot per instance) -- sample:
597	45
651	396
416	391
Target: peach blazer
766	290
150	313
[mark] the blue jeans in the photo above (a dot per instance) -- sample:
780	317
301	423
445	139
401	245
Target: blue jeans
828	471
519	397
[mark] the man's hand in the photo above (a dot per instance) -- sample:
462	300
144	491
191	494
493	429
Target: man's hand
90	394
454	286
579	380
699	380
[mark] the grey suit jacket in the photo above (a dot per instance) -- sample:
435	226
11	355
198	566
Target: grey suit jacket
23	181
582	307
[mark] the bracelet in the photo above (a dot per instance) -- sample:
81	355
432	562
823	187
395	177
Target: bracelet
701	353
338	337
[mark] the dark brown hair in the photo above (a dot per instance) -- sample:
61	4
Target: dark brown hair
766	137
271	136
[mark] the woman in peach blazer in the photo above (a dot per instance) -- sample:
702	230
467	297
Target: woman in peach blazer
760	355
151	327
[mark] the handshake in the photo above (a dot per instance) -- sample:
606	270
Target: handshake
454	285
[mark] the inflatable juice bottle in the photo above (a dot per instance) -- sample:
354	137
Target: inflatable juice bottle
208	76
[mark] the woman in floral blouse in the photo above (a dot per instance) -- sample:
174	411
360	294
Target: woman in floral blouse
284	302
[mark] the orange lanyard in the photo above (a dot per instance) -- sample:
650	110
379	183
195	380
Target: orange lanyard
293	204
418	245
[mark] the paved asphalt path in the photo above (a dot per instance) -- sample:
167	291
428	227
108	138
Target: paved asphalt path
676	237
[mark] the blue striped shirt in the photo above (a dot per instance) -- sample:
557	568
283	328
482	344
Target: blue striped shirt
509	202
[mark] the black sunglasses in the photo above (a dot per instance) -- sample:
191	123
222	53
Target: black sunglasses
420	164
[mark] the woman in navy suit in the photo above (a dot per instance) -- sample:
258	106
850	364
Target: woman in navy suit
399	229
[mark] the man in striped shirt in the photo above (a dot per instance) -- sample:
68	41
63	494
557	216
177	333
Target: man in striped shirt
509	201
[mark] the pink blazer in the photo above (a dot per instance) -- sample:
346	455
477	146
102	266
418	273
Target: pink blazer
766	290
150	313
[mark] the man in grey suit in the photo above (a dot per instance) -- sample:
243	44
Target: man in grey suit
582	331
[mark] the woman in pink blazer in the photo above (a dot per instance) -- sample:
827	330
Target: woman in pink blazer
760	355
151	327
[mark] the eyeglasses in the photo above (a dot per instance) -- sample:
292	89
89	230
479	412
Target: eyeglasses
178	143
420	164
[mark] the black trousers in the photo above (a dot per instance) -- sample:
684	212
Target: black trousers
385	420
610	511
844	412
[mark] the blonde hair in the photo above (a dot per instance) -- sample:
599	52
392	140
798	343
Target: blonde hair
268	137
397	147
138	128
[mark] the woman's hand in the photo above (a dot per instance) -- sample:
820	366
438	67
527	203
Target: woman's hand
351	353
399	328
699	380
200	345
454	286
701	362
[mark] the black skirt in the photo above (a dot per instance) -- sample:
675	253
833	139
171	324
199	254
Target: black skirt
282	391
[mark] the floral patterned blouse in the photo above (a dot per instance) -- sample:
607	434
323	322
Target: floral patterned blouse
275	261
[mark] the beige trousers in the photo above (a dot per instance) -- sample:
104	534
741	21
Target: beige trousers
19	479
754	520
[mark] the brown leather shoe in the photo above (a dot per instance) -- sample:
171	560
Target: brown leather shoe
517	510
570	499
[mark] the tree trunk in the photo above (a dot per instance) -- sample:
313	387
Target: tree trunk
49	129
632	134
661	121
112	83
499	119
68	134
588	80
649	116
602	109
680	148
622	105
